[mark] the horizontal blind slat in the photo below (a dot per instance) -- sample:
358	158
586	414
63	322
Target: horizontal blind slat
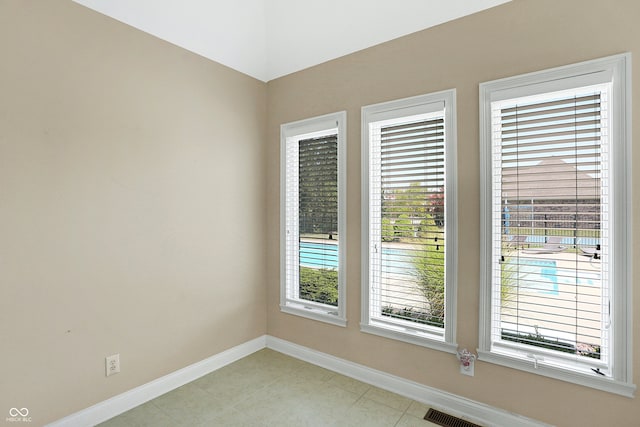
550	194
412	191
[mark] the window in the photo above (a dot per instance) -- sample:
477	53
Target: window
409	220
313	218
555	221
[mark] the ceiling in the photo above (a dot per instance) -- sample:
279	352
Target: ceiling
267	39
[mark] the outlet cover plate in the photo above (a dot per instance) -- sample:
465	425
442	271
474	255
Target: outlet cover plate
112	364
469	369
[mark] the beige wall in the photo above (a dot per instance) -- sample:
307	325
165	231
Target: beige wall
519	37
131	205
131	171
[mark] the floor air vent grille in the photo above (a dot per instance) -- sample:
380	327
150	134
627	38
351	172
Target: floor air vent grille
446	420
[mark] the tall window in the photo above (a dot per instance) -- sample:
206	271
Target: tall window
409	221
555	181
313	219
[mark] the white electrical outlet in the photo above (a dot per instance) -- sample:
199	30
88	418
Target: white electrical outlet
467	370
112	364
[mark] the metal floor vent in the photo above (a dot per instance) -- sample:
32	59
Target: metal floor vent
446	420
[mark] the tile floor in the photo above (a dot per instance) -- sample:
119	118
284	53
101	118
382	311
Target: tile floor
268	388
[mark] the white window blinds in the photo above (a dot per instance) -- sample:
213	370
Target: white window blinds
409	218
409	255
555	283
551	226
313	219
318	219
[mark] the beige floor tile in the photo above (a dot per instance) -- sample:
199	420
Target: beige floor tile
269	389
305	380
146	415
270	360
385	397
295	387
266	368
368	413
349	384
231	386
331	398
312	373
411	421
189	405
307	417
229	418
418	409
250	375
268	402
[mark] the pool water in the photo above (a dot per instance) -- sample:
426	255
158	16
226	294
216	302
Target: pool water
320	255
541	276
544	276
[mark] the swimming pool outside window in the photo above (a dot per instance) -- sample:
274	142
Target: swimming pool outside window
409	220
554	240
312	218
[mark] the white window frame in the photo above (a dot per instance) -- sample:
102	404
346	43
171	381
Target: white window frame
444	340
615	70
293	133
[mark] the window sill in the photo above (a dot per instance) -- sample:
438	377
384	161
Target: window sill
423	339
581	378
314	313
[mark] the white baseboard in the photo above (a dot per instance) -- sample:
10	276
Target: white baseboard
455	405
108	409
450	403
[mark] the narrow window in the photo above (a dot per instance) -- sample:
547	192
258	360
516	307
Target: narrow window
409	220
554	180
313	238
